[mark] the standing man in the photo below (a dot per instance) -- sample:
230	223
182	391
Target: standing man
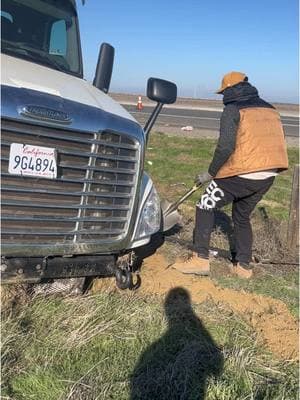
250	152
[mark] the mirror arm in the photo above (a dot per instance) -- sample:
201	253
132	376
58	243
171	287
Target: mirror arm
152	119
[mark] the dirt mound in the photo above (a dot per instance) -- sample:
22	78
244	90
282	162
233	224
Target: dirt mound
269	317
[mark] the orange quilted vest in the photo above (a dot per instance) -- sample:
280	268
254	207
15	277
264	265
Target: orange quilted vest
260	144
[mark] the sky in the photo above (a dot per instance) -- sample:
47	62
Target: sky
193	43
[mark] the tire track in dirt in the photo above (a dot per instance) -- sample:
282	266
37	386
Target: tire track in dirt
270	318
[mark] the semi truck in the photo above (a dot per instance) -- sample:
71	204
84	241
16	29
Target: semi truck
76	201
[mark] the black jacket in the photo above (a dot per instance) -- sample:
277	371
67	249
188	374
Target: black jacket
242	95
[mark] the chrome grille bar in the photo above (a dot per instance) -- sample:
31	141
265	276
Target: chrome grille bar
80	180
89	167
64	193
65	233
49	133
60	219
65	206
84	154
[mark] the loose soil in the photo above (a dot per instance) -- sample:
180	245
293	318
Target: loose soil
270	318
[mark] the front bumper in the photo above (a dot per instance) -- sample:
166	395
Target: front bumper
35	269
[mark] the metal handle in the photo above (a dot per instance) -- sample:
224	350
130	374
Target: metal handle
175	205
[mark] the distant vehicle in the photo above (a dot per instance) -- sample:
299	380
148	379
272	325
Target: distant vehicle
76	201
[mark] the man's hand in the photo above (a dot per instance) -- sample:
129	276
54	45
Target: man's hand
202	178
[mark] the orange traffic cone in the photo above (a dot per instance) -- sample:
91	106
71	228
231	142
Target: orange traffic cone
139	105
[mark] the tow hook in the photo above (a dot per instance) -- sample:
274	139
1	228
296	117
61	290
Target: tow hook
125	278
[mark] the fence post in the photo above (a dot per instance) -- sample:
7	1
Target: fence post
293	226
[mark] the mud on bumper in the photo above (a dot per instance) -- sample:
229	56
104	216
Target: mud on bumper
34	269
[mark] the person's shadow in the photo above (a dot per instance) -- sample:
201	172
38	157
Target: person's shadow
177	366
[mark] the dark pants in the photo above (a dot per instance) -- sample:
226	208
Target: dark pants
244	194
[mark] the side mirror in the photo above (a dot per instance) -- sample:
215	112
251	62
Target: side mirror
161	91
104	67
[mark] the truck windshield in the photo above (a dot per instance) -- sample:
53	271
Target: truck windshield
42	31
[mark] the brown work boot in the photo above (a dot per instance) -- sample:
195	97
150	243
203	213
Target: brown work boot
195	265
242	272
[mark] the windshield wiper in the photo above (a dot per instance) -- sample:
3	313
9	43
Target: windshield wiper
32	52
43	55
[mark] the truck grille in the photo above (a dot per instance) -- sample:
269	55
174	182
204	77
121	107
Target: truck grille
92	198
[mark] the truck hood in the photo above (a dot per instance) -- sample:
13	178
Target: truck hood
25	74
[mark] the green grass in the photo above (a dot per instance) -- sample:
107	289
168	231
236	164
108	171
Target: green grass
177	160
112	346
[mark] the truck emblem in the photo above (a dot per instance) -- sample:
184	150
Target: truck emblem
45	114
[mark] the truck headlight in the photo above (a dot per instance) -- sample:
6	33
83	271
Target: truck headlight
149	221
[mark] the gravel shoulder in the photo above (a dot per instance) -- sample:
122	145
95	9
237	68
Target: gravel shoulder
206	133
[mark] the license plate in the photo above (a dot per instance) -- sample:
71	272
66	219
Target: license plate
28	160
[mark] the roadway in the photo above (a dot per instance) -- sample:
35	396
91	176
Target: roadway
200	119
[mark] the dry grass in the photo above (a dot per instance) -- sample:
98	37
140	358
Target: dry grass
112	346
